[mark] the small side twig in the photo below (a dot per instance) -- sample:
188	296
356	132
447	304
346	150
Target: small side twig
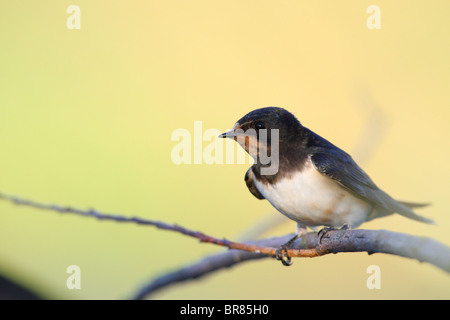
158	224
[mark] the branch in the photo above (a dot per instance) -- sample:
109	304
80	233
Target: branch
334	241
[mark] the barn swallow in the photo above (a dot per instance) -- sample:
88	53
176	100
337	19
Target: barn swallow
317	183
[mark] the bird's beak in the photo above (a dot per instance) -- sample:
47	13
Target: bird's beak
232	133
228	134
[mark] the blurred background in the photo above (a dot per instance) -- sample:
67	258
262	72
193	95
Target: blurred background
86	118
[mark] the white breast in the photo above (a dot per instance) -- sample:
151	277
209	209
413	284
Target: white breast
313	199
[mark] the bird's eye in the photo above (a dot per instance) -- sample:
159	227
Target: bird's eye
260	125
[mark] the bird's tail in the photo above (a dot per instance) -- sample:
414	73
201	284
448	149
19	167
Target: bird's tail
386	205
413	205
412	215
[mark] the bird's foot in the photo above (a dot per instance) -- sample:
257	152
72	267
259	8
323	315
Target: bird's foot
282	253
325	230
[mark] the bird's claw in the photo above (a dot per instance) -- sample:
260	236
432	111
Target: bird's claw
282	255
325	230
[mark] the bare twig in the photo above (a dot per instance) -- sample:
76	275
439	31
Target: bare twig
198	269
158	224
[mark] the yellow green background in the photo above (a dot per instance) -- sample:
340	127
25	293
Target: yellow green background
86	118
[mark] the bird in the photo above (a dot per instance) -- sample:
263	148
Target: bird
315	183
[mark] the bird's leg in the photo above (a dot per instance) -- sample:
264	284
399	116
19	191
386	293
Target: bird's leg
324	230
282	253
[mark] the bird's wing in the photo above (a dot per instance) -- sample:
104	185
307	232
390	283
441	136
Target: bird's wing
251	185
338	165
